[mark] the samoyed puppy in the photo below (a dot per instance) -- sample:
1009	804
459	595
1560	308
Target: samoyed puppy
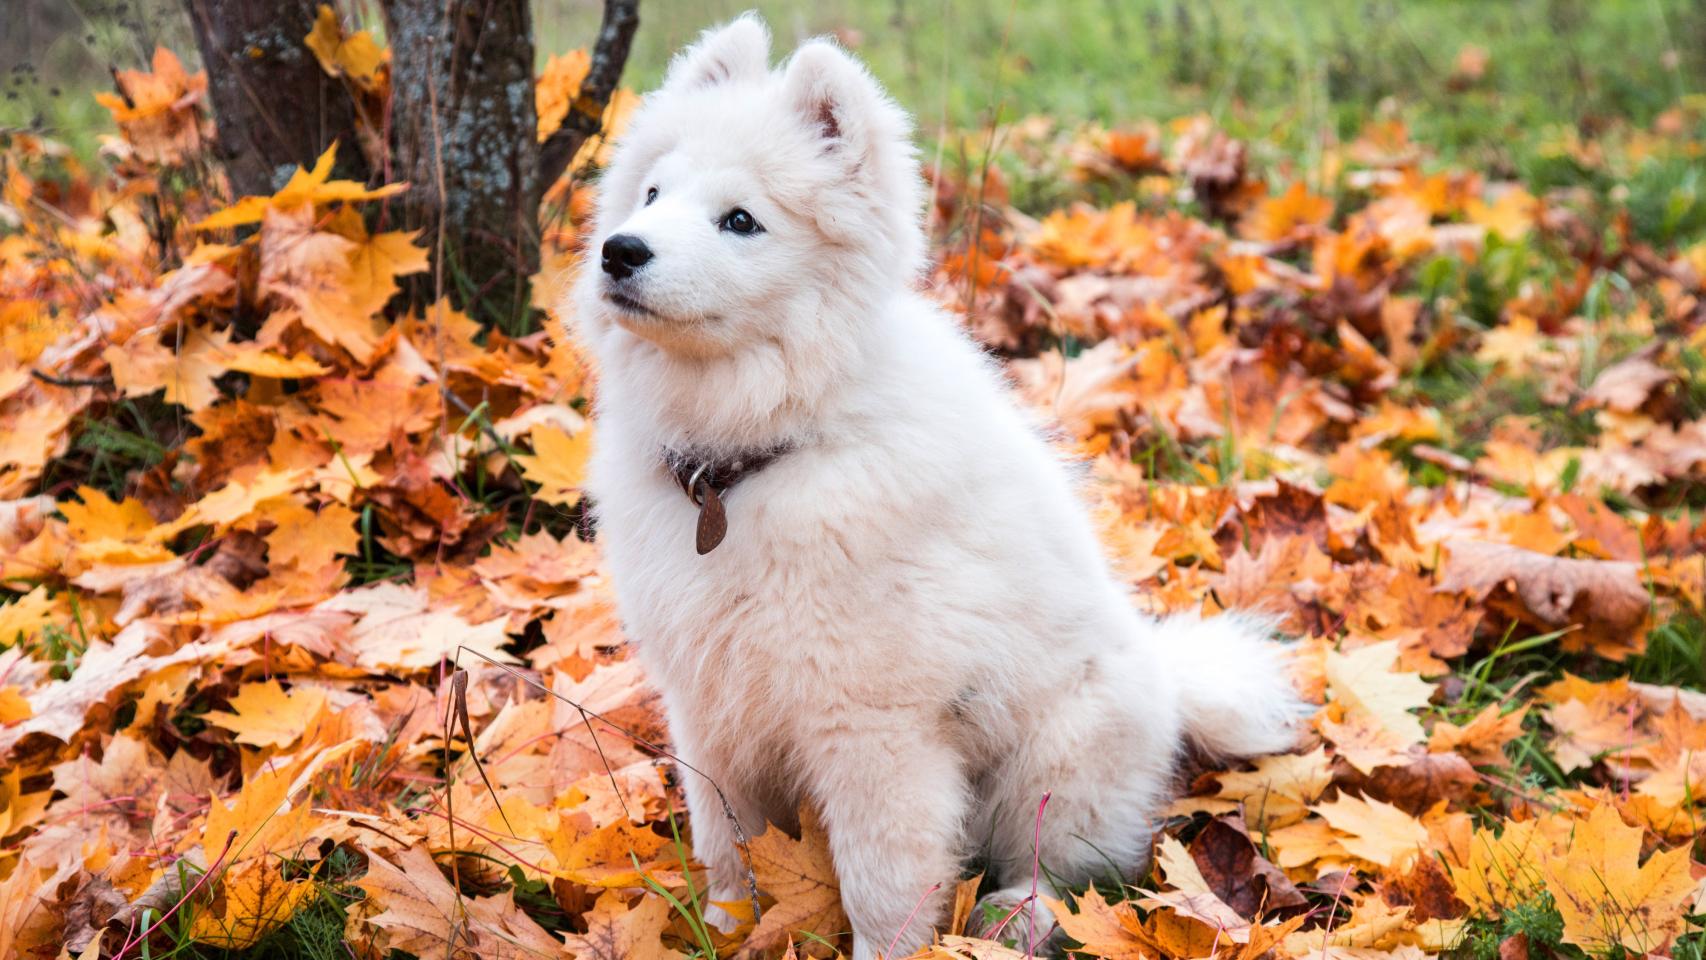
859	574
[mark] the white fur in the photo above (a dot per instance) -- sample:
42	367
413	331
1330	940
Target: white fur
911	623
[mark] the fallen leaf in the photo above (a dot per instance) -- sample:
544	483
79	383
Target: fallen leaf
616	931
1112	932
557	464
1377	832
800	876
1608	898
1604	595
265	715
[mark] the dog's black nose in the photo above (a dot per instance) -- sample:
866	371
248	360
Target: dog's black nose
625	253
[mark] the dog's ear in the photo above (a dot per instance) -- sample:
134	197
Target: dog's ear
837	98
738	50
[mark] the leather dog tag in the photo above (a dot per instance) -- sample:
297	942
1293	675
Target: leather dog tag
713	522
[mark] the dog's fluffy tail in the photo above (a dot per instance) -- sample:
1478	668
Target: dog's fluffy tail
1236	698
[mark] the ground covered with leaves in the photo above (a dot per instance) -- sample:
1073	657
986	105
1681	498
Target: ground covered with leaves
281	558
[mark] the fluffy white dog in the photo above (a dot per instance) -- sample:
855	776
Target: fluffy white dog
859	574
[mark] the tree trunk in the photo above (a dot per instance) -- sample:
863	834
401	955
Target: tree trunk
465	136
274	107
460	125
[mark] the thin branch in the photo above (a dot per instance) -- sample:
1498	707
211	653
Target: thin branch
588	715
586	114
49	378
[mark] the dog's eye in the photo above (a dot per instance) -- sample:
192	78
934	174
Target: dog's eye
651	194
739	221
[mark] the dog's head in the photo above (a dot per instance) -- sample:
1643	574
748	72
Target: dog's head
744	203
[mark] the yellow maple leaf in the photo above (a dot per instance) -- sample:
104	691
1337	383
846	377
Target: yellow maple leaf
233	502
557	464
420	911
559	84
1190	895
1608	898
255	899
1482	740
185	371
378	260
312	270
1374	830
1503	868
1279	789
252	358
616	931
1598	722
306	186
1361	742
1367	681
309	539
1311	843
1678	784
1278	218
259	820
801	876
17	808
1111	931
606	857
355	56
265	715
1510	216
23	618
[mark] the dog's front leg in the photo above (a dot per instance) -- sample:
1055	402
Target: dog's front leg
715	843
894	805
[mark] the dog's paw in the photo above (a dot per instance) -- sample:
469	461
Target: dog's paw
1011	917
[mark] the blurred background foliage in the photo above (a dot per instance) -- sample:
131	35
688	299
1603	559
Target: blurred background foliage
1484	83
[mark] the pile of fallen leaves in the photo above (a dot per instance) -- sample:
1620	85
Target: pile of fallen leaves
307	645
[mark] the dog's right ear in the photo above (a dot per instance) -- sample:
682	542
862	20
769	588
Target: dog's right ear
738	50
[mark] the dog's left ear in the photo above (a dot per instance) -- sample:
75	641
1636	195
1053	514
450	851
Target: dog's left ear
837	98
738	50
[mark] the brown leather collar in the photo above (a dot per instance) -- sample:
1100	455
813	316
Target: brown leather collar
705	479
720	473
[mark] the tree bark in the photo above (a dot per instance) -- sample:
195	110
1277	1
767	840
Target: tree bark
274	108
465	136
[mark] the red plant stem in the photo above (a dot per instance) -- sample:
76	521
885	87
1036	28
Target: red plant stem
1036	860
522	746
110	801
230	838
1332	918
915	908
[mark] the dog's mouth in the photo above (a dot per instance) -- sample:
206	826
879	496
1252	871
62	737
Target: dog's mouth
628	304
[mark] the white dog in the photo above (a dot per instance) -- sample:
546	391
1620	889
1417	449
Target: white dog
859	574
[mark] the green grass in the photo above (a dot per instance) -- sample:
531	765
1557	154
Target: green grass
1538	920
1292	77
1675	655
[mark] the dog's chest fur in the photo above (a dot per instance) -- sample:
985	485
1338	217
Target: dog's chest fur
881	578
